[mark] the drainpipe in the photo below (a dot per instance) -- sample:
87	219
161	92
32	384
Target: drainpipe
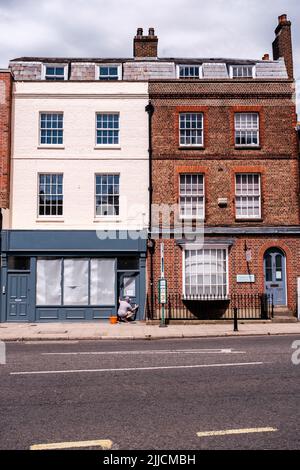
151	243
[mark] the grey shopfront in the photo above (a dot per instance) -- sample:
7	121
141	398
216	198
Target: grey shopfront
55	275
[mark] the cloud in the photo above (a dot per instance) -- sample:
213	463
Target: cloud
186	28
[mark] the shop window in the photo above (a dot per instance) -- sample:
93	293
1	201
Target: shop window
76	281
102	284
83	281
48	285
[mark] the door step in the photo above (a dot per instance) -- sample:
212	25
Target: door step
283	315
286	319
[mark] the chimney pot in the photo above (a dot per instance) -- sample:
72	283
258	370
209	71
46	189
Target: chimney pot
139	32
151	31
266	57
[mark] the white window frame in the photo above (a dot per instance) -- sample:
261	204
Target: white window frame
254	145
189	247
247	217
44	69
179	66
191	145
241	65
99	146
50	216
40	145
97	71
185	217
109	216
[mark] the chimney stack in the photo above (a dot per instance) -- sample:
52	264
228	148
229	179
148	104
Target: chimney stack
282	45
266	57
145	46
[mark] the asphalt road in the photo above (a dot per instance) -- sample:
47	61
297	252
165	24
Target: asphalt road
152	395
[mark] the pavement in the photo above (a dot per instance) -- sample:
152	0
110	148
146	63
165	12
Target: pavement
138	330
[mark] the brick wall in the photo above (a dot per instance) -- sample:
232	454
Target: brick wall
276	160
5	126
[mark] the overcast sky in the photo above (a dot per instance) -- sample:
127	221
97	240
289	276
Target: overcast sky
105	28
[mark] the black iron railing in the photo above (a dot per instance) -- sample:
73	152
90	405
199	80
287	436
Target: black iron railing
213	307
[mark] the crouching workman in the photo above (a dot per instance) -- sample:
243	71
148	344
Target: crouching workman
126	311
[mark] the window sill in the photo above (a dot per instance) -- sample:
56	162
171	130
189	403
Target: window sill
107	147
254	219
191	147
51	219
247	147
48	146
106	219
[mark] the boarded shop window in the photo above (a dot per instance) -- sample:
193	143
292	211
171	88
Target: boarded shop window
79	278
76	281
102	284
48	286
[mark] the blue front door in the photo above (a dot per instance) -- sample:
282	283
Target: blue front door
18	297
275	276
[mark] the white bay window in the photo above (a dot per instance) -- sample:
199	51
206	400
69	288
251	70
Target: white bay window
206	272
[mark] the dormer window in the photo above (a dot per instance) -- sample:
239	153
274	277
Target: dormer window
55	72
110	72
192	72
242	71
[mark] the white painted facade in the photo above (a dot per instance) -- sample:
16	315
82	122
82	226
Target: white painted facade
79	158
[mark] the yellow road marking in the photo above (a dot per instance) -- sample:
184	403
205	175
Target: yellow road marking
105	444
235	431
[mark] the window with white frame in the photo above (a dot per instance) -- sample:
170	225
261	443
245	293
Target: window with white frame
247	196
191	196
242	71
206	272
107	128
50	198
109	72
246	129
51	128
107	195
191	129
189	71
55	72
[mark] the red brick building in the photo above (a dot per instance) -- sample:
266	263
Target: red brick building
5	124
224	149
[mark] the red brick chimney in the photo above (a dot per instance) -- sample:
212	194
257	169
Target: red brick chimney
5	129
282	45
266	57
145	46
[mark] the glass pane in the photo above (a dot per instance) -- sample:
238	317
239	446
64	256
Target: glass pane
48	284
128	263
102	283
19	263
129	286
76	281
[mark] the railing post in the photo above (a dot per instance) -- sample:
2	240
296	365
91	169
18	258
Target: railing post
235	319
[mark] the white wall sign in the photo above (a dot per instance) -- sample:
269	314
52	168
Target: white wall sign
245	278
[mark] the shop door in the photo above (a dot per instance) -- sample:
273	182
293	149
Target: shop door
18	297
